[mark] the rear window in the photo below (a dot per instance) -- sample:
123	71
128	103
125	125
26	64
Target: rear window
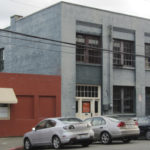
70	120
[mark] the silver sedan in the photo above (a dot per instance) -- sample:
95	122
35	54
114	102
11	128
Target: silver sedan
107	129
57	132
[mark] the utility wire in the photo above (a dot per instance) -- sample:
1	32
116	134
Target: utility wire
48	39
38	42
66	43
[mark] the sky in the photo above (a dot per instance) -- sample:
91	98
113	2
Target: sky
24	8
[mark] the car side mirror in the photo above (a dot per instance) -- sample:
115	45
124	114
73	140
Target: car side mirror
33	129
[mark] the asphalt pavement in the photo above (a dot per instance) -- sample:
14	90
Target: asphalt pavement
15	143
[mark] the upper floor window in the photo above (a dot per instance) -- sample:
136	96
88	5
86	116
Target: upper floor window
88	49
147	56
1	59
123	53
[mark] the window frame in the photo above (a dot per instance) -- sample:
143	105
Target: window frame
120	56
38	125
1	59
87	91
84	48
8	111
101	121
124	97
147	56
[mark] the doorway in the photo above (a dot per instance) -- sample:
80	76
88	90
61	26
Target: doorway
88	102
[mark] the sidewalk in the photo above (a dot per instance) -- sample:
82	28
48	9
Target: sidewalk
11	143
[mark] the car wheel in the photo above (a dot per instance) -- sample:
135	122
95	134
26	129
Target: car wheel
126	140
148	135
105	138
27	144
56	142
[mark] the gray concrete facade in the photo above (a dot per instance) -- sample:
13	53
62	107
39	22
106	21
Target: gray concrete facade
61	22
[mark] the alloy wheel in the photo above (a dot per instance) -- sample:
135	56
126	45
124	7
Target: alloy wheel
105	138
56	142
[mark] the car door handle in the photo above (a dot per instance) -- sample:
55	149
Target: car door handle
101	127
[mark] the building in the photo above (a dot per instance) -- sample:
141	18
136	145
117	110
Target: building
104	70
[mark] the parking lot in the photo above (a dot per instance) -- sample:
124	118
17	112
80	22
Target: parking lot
14	142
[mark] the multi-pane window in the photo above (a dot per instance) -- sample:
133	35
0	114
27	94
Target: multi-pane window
1	59
4	112
147	101
86	91
88	49
123	53
123	99
147	56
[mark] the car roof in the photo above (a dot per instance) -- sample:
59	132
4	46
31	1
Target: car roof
57	118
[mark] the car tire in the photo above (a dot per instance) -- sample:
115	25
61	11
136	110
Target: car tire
27	144
105	138
126	140
148	135
56	142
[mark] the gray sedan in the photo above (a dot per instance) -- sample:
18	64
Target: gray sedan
107	129
57	132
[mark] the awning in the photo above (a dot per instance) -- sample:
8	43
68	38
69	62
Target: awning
7	96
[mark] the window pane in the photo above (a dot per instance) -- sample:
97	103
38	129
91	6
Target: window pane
117	52
117	99
97	121
80	49
88	49
1	59
86	91
147	56
123	99
96	106
129	55
128	99
4	111
76	106
123	53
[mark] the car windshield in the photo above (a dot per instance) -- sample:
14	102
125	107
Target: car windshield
70	120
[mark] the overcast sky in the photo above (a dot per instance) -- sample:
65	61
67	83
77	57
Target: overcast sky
9	8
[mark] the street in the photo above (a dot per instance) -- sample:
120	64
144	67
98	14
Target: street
10	143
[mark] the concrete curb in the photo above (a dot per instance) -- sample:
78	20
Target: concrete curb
17	148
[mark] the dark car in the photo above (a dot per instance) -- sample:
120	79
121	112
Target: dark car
144	125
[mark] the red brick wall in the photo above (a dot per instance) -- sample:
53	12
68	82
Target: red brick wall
39	96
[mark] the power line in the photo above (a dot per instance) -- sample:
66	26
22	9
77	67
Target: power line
61	42
48	39
37	41
50	50
37	37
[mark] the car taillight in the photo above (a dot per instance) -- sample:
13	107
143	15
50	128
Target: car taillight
121	124
136	123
